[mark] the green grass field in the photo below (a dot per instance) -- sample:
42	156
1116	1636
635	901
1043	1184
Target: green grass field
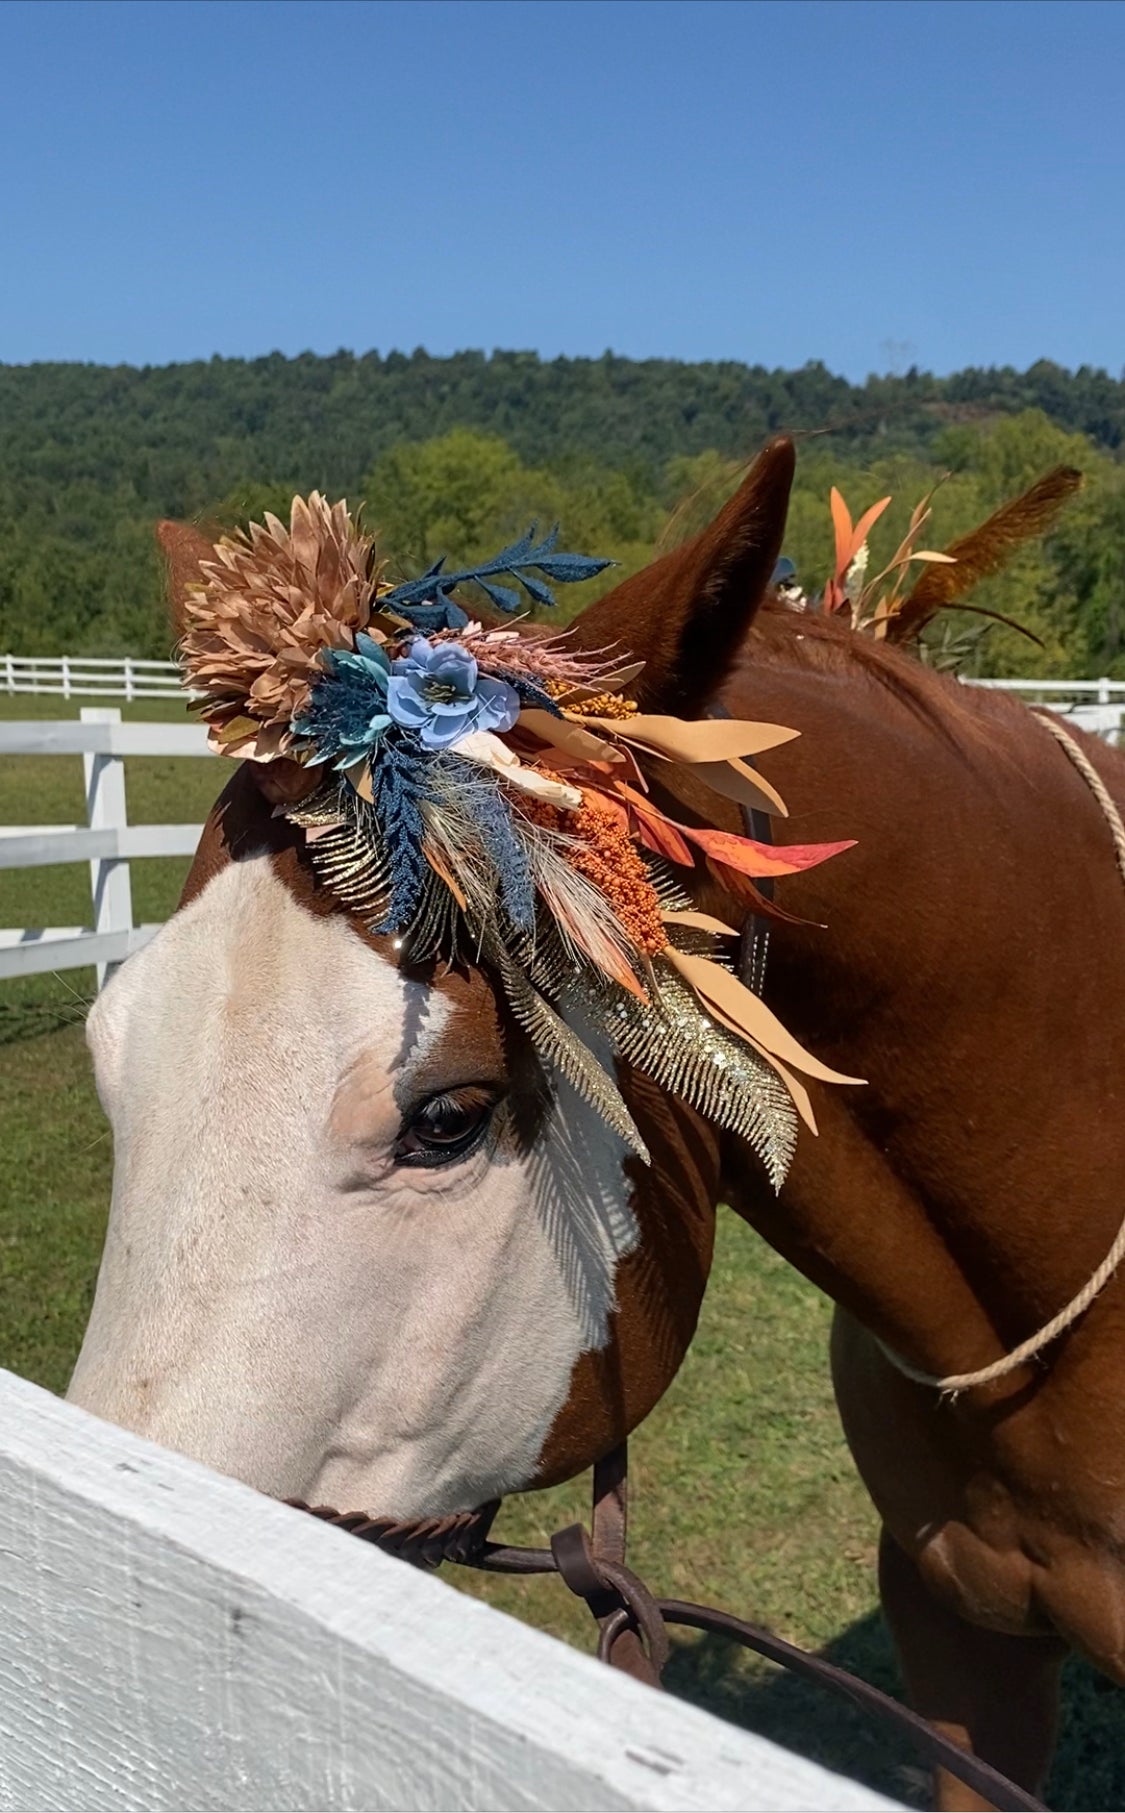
742	1489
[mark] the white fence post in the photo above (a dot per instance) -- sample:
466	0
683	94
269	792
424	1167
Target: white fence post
9	674
105	808
66	676
129	681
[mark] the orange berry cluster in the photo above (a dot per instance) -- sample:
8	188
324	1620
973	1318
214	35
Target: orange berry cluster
609	858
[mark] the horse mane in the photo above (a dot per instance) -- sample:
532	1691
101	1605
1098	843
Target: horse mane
782	637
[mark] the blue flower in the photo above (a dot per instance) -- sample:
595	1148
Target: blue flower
438	691
347	710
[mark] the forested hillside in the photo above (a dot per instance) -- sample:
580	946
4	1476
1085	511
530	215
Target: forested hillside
456	454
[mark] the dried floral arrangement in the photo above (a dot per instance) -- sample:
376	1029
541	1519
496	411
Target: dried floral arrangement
481	795
895	606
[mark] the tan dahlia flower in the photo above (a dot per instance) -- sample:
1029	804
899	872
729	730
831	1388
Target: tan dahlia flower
273	599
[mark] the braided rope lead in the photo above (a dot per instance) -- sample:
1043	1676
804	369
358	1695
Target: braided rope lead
1027	1350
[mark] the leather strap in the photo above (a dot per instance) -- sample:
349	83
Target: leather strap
754	939
625	1609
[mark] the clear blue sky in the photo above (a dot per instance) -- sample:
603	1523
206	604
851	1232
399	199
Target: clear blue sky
867	184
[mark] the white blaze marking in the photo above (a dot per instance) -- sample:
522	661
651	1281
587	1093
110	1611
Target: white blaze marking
276	1297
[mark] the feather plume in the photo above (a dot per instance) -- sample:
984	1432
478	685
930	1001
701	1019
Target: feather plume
563	1048
985	551
689	1053
451	844
586	922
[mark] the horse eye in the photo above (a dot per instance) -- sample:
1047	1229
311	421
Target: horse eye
447	1128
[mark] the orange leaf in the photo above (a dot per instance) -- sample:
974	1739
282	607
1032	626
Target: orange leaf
742	889
842	523
865	525
834	595
656	832
661	837
750	857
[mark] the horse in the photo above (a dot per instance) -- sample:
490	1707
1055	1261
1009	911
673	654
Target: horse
361	1250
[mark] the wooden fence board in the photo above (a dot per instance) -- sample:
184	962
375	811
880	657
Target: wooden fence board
32	737
170	1640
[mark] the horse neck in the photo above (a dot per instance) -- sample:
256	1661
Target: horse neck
955	958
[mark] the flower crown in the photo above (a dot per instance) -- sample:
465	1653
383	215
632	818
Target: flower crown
482	796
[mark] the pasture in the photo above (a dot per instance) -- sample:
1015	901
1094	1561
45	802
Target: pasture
743	1491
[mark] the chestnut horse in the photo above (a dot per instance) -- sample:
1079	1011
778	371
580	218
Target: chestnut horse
362	1251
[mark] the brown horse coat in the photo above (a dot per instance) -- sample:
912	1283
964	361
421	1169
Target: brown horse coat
966	958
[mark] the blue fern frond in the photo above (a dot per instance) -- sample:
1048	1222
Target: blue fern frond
529	693
398	786
426	601
492	820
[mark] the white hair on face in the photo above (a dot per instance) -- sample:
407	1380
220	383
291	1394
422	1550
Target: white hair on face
277	1297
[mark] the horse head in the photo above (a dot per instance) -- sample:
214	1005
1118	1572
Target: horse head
366	1245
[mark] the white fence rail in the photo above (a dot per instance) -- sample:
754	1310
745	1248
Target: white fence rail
106	842
1097	706
90	676
129	677
170	1640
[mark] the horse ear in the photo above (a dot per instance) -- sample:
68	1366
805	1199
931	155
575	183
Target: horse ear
183	547
686	615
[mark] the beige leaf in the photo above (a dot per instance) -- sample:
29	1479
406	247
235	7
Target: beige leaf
734	780
801	1099
571	738
710	740
796	1088
702	922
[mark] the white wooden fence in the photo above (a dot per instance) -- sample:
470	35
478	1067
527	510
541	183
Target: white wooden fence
1097	705
106	841
91	676
171	1640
